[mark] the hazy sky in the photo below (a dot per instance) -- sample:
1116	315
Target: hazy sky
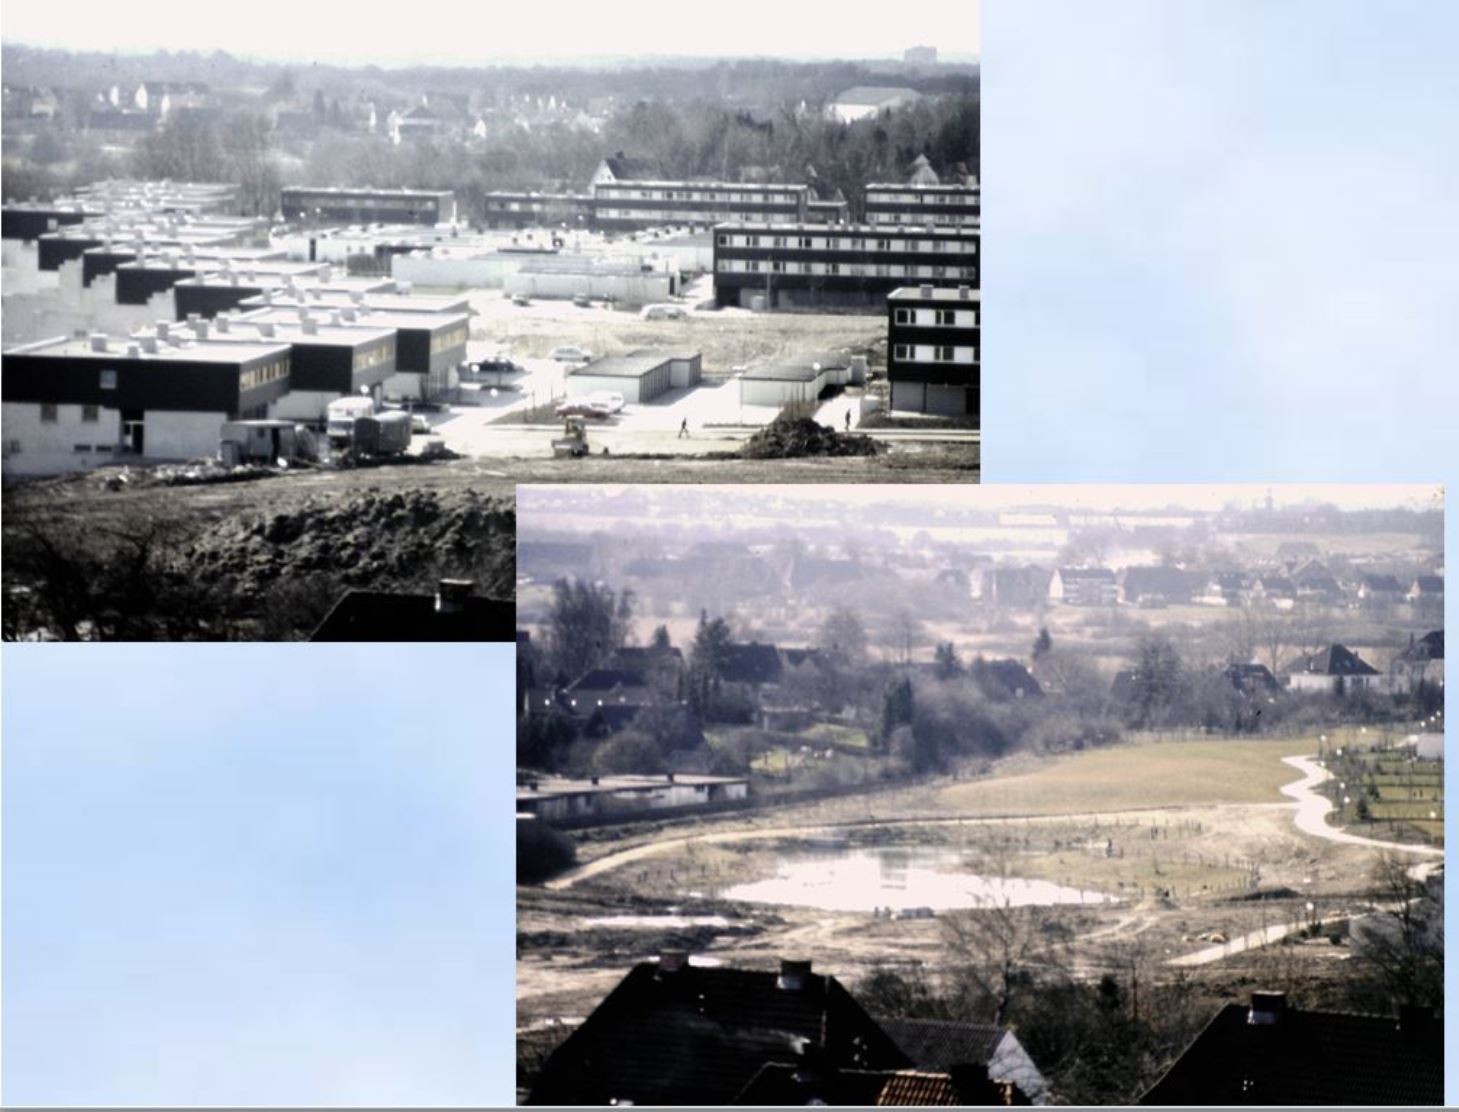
1092	497
258	874
460	33
1219	240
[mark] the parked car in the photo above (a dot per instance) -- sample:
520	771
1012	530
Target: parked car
570	353
662	312
521	299
612	400
582	407
582	301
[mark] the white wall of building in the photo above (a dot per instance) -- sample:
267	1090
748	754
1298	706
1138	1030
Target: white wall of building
32	446
477	272
171	434
303	405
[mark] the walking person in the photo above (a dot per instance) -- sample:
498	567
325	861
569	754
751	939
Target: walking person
683	429
848	420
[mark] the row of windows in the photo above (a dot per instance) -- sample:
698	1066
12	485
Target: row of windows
444	342
936	318
944	245
934	353
610	191
853	270
675	216
51	413
374	356
955	220
900	198
263	374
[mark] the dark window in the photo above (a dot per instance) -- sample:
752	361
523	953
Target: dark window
904	316
48	412
90	413
108	380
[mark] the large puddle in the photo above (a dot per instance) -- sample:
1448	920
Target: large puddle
898	878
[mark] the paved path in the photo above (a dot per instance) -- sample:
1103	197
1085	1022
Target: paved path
1312	811
1311	818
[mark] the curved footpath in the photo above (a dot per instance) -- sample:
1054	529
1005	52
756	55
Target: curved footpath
1312	811
1311	818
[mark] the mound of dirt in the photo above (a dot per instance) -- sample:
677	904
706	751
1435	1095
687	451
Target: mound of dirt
795	437
395	541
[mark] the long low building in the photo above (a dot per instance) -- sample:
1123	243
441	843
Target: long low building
948	205
430	344
525	209
327	360
625	281
556	799
933	344
330	204
70	404
626	205
640	376
792	266
803	379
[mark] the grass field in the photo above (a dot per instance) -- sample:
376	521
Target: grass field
1148	774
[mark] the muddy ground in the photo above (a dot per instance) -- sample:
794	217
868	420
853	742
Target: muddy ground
565	964
268	555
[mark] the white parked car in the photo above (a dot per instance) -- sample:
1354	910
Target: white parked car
662	312
570	353
607	399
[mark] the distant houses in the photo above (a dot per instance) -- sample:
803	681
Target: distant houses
1084	587
1335	670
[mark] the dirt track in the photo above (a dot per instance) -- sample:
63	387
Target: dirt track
562	980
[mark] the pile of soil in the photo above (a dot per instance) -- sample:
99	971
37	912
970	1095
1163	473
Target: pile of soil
795	437
384	541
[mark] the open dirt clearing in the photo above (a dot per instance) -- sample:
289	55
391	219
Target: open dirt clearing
1188	858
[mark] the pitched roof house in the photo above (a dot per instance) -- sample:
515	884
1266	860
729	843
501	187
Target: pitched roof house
781	1084
1005	679
1335	669
947	1045
1084	587
1272	1055
675	1033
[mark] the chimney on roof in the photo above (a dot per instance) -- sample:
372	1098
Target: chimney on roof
793	975
163	329
925	291
266	328
149	344
672	961
451	595
310	327
1267	1008
670	776
593	780
223	322
134	350
98	341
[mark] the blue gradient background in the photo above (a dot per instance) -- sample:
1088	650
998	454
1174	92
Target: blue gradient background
1221	243
258	874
